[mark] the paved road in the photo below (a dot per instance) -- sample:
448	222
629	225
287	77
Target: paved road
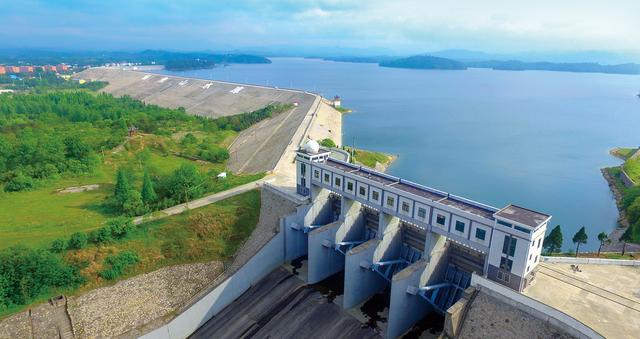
210	199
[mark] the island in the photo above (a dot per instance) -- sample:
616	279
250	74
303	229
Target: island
424	62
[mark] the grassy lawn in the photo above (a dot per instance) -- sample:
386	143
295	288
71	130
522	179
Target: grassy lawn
632	167
39	216
370	158
212	232
623	153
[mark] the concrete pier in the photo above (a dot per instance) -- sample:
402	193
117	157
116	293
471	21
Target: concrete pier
360	282
324	261
406	309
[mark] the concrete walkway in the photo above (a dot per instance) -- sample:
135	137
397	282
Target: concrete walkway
204	201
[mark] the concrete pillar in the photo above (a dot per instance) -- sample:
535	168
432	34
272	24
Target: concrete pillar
390	236
324	261
406	309
352	227
436	257
360	282
318	212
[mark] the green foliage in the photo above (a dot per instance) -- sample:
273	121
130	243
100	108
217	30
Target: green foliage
242	121
580	238
626	237
327	142
148	193
27	273
41	81
633	211
122	187
185	183
603	238
58	246
553	242
20	182
100	236
115	265
133	204
213	153
188	64
630	195
189	139
78	240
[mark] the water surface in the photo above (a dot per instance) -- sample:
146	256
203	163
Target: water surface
532	138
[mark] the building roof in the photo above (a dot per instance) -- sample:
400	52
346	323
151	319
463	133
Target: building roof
523	215
468	207
421	192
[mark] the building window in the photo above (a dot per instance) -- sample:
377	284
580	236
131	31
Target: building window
350	186
422	213
522	229
375	195
509	245
440	219
506	224
316	174
503	276
539	242
405	207
536	259
530	256
506	264
363	191
338	182
327	177
528	267
459	226
390	201
481	234
303	169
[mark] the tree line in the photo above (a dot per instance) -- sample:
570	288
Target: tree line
553	242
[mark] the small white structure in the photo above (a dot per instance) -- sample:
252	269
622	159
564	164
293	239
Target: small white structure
312	147
336	101
222	175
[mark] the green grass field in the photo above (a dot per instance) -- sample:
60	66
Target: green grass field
632	167
370	158
623	153
35	218
212	232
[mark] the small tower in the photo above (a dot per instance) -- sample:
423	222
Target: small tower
336	101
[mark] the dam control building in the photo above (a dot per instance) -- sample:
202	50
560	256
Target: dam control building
422	243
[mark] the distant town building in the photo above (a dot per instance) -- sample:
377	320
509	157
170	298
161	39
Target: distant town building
133	130
13	69
62	67
3	70
26	69
336	101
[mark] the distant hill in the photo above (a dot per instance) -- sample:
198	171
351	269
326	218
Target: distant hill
146	57
424	62
359	59
582	67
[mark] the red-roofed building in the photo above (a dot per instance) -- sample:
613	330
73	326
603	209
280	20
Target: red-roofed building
62	67
26	69
50	68
13	69
2	70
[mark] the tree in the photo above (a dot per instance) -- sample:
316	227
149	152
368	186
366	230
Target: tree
57	246
189	139
625	237
603	238
580	238
122	188
553	242
149	195
78	240
133	204
633	211
185	183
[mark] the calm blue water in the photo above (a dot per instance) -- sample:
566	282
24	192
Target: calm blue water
533	138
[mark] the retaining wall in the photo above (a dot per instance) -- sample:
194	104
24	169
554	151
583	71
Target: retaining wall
626	179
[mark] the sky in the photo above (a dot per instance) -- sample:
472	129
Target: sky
376	26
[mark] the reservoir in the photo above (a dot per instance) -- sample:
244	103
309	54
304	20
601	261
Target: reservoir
532	138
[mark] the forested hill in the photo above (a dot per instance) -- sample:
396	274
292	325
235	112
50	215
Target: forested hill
582	67
146	57
424	62
188	62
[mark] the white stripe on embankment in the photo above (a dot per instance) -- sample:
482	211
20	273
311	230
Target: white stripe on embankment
592	261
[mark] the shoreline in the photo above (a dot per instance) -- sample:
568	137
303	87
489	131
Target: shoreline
623	223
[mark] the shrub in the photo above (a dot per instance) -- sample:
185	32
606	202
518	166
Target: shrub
27	273
19	183
115	265
57	246
78	240
100	236
133	204
328	143
120	227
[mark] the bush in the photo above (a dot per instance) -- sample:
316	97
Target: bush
19	183
27	273
328	143
633	211
120	227
115	265
100	236
78	240
133	204
57	246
